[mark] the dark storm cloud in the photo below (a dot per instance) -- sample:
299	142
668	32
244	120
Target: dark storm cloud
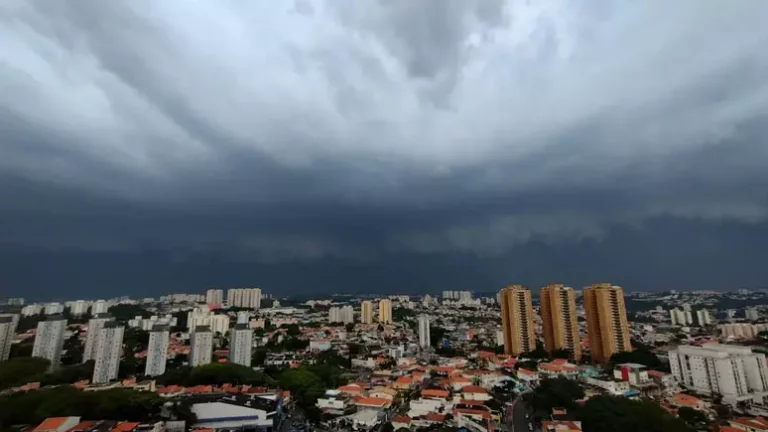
317	129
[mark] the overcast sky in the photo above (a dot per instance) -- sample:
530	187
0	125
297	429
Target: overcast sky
387	145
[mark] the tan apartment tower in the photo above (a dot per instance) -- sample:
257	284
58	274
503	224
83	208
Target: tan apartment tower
517	320
385	311
558	315
366	312
606	321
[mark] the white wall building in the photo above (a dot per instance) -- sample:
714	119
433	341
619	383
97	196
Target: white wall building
99	307
8	324
703	317
244	297
345	314
49	339
78	307
108	352
201	346
54	308
240	344
214	296
148	324
734	372
424	340
33	309
751	314
157	352
95	325
680	317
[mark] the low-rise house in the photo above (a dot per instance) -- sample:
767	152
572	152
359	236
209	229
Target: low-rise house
684	400
401	421
473	392
335	402
372	403
57	424
435	394
558	367
561	426
610	385
750	424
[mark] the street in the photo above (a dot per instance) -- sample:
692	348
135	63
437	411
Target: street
516	421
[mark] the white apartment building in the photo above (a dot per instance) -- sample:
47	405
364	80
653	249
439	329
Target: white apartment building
201	346
218	323
734	372
108	351
8	324
78	307
244	297
33	309
680	317
49	339
751	314
424	331
147	324
54	308
214	296
99	307
157	352
345	314
465	296
741	330
95	325
240	344
703	317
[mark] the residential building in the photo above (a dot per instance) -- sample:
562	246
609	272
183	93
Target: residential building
240	345
92	335
99	307
8	324
108	351
49	339
201	346
607	325
749	424
54	308
751	314
703	318
385	311
345	314
517	320
735	372
559	320
157	352
78	307
214	297
680	317
366	312
424	340
33	309
244	298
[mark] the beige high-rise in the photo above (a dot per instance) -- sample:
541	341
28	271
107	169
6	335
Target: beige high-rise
366	312
558	315
606	321
385	311
517	320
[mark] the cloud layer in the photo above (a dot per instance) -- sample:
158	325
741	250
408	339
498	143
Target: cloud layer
310	129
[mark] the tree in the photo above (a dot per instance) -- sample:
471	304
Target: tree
19	371
695	419
350	327
611	413
561	354
555	392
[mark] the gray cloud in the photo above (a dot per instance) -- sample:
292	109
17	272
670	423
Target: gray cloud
311	129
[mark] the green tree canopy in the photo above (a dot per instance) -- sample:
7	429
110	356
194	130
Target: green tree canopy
555	392
19	371
611	414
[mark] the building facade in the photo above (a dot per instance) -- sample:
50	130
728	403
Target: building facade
8	324
214	296
157	352
240	345
201	346
385	311
244	298
366	312
95	325
49	339
559	320
517	320
108	351
734	372
607	325
424	339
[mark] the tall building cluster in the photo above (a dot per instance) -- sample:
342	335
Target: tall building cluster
92	335
244	298
345	314
157	351
214	296
607	326
109	348
240	345
457	295
201	346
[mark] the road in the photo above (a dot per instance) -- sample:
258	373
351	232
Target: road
516	421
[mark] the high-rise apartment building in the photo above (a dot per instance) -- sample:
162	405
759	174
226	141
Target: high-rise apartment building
703	317
99	307
8	324
734	372
214	296
108	351
54	308
345	314
424	340
366	312
751	314
49	339
680	317
201	346
78	307
95	325
385	311
244	298
517	320
559	321
240	345
157	352
606	321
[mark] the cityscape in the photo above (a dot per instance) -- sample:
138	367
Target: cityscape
553	359
383	216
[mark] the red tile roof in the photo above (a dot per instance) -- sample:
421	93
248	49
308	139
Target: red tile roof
372	401
435	417
82	426
125	427
474	389
758	423
401	419
560	426
51	423
435	393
